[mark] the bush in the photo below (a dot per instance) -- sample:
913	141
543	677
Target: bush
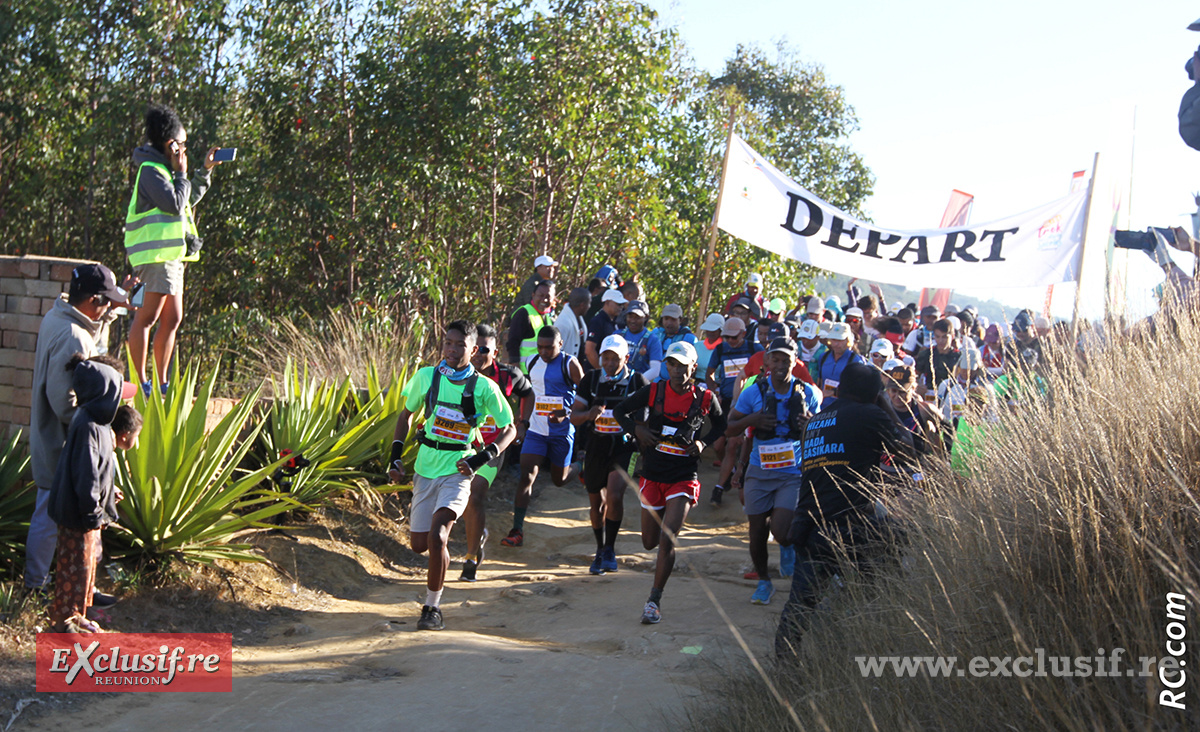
17	498
1084	518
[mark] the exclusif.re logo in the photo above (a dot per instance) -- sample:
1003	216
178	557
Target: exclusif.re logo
135	662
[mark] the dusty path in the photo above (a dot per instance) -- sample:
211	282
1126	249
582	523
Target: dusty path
537	643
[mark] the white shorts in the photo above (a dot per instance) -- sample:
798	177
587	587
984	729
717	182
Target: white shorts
430	494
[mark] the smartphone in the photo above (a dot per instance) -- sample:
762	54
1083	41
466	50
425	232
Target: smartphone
138	297
225	155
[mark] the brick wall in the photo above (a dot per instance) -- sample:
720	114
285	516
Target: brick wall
28	288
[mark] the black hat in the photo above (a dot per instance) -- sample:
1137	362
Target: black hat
96	279
784	344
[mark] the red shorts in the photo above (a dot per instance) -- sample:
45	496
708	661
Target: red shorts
654	495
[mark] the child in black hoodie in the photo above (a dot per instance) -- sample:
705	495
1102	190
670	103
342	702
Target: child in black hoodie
83	498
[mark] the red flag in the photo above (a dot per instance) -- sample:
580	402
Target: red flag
957	213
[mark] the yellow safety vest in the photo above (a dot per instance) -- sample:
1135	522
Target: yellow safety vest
155	235
529	345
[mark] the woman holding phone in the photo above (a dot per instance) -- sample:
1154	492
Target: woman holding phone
160	236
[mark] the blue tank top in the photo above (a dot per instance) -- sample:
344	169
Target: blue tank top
552	390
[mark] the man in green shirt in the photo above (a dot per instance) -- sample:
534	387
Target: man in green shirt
455	400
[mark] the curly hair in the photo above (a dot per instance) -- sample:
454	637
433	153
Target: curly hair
162	124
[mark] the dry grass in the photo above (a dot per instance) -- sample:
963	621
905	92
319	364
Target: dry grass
1083	516
346	340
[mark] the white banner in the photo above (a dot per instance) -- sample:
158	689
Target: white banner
766	208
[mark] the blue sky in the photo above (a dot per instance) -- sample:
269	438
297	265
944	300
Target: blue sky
1001	100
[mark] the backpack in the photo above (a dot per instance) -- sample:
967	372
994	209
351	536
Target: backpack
797	406
566	366
468	398
691	423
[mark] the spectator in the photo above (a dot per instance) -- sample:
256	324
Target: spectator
544	268
570	322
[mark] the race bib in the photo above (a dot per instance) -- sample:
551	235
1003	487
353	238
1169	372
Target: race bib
956	406
830	388
777	457
489	426
606	424
931	397
668	448
734	366
545	406
668	431
449	424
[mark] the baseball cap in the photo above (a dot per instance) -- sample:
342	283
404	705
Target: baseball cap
955	323
544	261
783	345
970	359
930	310
815	306
755	279
882	345
824	328
713	322
609	274
897	306
892	364
809	329
616	344
637	306
733	326
672	311
682	351
96	279
854	313
839	332
776	305
951	310
983	322
1041	321
776	330
614	296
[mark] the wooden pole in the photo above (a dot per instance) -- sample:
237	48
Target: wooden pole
1087	215
710	260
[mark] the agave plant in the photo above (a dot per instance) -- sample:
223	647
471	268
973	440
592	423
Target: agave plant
392	395
327	432
186	493
17	498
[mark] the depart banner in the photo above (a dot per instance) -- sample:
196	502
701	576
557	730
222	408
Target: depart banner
769	210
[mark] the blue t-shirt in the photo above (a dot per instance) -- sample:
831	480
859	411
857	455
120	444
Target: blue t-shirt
832	369
751	401
642	350
683	335
729	363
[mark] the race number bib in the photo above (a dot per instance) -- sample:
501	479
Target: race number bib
489	426
606	424
449	424
931	397
830	388
777	457
668	448
734	366
956	406
545	406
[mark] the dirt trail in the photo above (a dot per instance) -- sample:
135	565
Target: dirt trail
537	643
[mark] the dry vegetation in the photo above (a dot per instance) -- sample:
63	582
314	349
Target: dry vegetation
1082	517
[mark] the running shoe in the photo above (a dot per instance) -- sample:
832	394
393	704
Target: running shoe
717	492
651	613
787	560
608	559
597	563
431	619
750	575
516	537
468	571
763	594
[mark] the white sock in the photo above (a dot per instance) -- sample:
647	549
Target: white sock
432	598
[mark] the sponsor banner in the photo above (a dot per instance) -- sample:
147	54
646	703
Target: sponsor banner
135	662
769	210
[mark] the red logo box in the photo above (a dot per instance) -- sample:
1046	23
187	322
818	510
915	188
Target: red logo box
135	662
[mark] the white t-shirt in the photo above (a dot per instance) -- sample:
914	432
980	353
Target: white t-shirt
573	330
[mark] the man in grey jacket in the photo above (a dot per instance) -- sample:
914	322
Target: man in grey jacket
72	326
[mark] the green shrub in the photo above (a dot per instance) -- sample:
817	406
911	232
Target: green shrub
17	498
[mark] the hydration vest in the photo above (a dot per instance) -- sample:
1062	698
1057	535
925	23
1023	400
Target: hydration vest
686	431
155	235
467	406
797	407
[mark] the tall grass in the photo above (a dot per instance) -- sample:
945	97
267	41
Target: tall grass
1082	516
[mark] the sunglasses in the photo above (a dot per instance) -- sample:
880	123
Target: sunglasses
484	350
853	320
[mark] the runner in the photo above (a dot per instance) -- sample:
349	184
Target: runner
753	293
754	366
512	384
921	336
671	330
454	399
602	326
725	373
776	409
610	452
936	364
550	435
527	322
829	365
710	330
670	484
645	353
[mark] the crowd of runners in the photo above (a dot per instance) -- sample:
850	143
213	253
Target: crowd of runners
804	406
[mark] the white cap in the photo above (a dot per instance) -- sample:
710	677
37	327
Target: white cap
954	321
909	361
854	312
755	279
682	351
616	344
1041	321
815	306
892	363
897	306
840	332
882	345
613	295
544	261
970	359
810	329
983	322
714	322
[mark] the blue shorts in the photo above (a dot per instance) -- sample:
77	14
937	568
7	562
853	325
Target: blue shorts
558	447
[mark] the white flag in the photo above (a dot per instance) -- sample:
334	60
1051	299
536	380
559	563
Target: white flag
766	208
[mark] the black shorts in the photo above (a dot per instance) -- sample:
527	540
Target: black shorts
601	458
